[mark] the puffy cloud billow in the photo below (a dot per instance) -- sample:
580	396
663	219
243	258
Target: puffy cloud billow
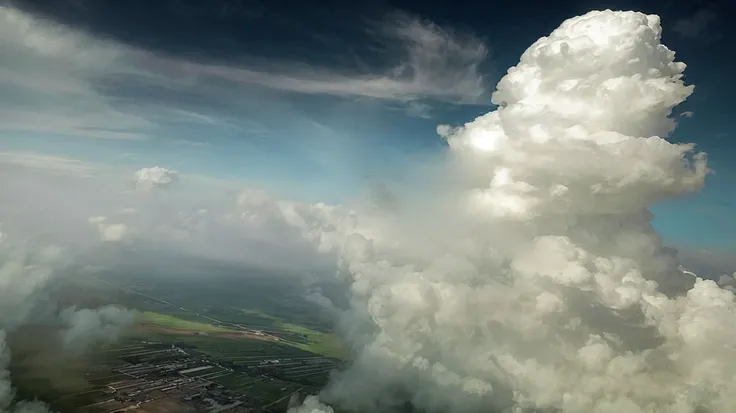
87	326
155	177
539	286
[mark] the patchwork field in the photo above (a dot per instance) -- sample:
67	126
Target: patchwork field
265	344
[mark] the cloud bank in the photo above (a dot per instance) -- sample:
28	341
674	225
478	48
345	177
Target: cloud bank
153	209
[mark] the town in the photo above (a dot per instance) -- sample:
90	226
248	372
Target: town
173	377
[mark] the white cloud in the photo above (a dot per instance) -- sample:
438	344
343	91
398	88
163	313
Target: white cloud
56	164
311	405
727	280
49	80
428	62
88	326
704	261
155	177
419	110
199	217
538	285
432	62
697	25
109	232
113	232
687	114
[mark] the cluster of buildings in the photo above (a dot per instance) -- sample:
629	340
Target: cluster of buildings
178	379
168	373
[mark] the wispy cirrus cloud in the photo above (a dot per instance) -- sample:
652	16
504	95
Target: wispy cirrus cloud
49	80
49	163
428	61
698	25
56	79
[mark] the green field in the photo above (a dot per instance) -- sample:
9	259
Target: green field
175	323
291	334
66	382
326	344
201	317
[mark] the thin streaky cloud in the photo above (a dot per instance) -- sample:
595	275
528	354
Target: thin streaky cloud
56	80
697	25
430	62
50	163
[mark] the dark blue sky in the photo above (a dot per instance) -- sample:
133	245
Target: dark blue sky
331	138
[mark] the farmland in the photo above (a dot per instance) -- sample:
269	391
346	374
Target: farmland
250	349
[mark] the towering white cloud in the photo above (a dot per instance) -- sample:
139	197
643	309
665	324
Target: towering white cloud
538	286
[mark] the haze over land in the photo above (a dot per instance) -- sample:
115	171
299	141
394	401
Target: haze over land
522	275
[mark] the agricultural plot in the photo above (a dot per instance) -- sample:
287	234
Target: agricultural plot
296	335
236	381
167	321
268	352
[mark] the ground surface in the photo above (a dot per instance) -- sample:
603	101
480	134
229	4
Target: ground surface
255	337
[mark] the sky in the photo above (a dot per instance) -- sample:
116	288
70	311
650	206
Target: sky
317	101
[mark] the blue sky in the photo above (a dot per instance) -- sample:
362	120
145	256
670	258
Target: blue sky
316	101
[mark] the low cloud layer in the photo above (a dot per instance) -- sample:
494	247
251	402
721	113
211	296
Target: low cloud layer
161	210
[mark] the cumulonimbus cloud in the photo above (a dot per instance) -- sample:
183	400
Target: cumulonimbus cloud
544	290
